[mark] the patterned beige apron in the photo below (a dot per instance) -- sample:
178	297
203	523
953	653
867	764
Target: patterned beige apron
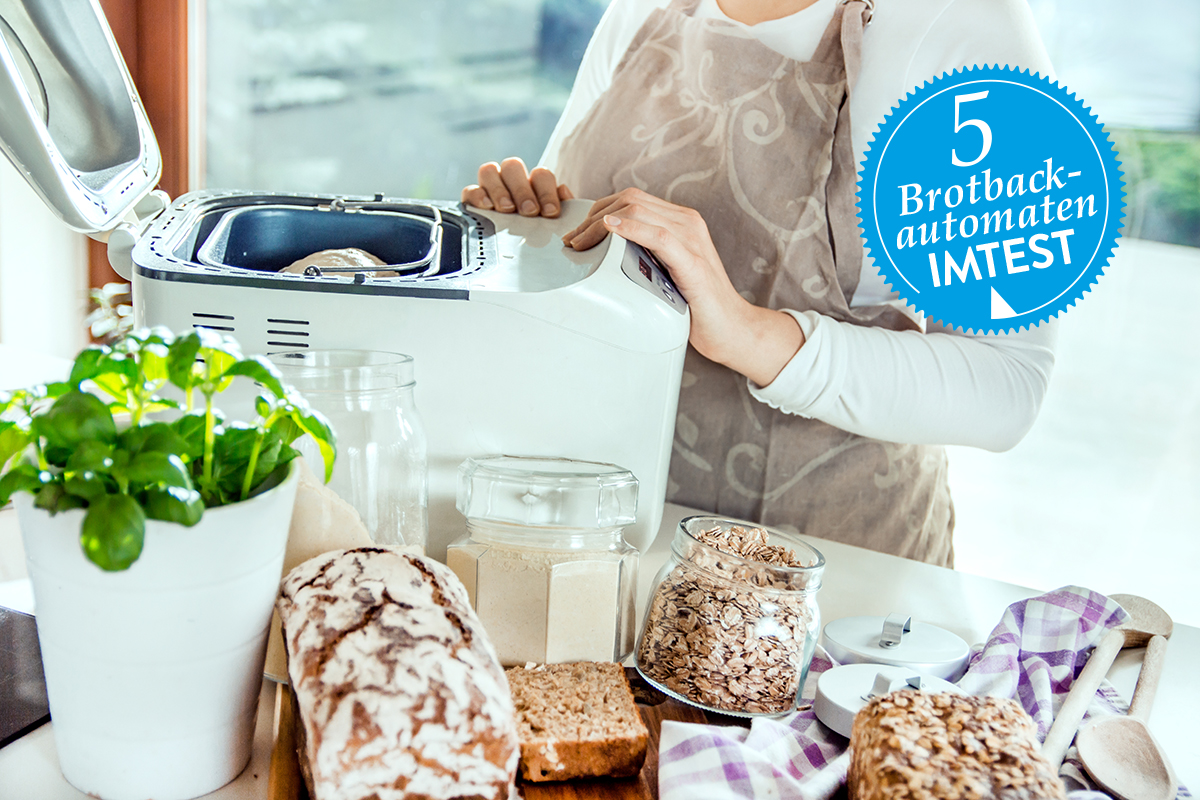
702	114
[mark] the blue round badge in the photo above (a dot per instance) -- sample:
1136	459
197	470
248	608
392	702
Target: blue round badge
990	199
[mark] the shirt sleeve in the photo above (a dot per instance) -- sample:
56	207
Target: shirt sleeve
612	37
936	387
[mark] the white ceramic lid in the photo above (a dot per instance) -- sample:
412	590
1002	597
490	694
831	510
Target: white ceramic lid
72	123
922	647
843	691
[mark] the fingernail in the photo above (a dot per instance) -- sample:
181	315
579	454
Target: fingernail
506	204
609	219
549	210
529	207
486	204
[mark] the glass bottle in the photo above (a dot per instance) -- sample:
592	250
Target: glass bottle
380	468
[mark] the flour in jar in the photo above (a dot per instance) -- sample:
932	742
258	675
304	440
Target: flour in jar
547	606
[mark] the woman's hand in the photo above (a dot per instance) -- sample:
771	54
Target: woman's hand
509	187
726	328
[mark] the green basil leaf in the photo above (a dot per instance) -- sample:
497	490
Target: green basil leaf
155	363
174	504
123	365
287	453
113	385
88	485
54	497
22	478
233	444
153	467
232	450
261	370
317	426
91	456
181	360
215	495
190	428
159	436
272	480
58	389
57	455
76	417
13	440
88	364
120	463
287	429
113	532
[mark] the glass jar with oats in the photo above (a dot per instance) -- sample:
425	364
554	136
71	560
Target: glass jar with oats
544	560
732	620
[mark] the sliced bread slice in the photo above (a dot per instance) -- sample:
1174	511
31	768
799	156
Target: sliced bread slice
576	720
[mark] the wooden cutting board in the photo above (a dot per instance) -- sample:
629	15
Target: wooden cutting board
285	782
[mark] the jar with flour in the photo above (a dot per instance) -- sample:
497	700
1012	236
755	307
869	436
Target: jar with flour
544	560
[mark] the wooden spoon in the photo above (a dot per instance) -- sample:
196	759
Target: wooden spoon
1146	620
1120	753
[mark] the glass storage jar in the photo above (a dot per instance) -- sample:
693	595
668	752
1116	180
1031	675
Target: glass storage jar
380	468
544	560
732	621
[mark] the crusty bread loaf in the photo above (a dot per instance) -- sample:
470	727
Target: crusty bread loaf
577	720
920	745
399	692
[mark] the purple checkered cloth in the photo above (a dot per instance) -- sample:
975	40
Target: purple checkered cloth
1033	656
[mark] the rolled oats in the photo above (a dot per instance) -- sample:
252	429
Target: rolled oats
732	634
922	746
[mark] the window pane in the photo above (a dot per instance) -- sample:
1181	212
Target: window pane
1103	491
396	96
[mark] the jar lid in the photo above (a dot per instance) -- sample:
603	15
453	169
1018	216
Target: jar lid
898	641
547	492
843	691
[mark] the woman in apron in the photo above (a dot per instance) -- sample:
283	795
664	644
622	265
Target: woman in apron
719	135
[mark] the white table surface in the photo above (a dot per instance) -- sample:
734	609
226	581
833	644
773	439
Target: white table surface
856	582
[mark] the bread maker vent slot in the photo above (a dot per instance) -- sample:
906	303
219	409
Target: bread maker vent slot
213	321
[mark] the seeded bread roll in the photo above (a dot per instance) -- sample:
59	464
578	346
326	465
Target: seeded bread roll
922	746
399	691
577	720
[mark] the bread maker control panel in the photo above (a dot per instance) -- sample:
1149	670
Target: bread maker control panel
648	272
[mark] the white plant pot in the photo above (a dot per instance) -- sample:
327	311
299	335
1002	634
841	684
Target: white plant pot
154	673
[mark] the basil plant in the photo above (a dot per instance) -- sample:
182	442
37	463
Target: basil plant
96	441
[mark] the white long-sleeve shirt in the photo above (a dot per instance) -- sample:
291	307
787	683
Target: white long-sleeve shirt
936	387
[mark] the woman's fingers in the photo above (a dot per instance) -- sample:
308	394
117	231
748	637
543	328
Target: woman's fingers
659	239
493	185
545	187
591	231
586	233
516	178
507	187
476	195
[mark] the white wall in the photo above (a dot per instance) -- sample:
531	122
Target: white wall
43	273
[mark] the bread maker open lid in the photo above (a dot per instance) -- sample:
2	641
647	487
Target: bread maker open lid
72	122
